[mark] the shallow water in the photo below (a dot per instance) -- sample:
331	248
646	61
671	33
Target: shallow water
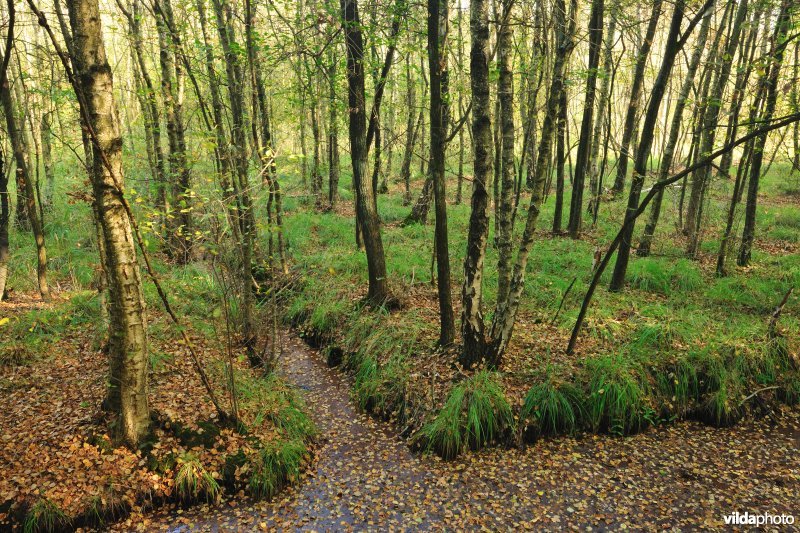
683	476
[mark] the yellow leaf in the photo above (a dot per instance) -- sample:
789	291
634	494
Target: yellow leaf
4	321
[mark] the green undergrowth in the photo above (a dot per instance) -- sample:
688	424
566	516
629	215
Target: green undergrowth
279	432
28	336
475	413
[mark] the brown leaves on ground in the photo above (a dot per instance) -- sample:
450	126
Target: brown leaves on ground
686	476
55	441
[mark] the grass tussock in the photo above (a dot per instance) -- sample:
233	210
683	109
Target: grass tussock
44	516
617	395
275	465
193	481
552	407
475	413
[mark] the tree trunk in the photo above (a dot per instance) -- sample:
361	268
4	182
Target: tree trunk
333	133
636	96
506	310
505	200
674	130
595	166
367	208
172	84
584	142
127	340
472	323
675	42
25	184
770	81
437	64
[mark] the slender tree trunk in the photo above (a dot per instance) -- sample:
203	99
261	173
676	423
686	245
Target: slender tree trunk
675	42
505	200
127	339
770	81
240	182
600	123
710	122
366	205
506	310
4	220
437	61
333	132
472	323
411	131
172	84
674	130
585	141
561	158
636	97
26	185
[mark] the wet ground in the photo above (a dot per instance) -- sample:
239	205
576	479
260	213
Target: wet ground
686	476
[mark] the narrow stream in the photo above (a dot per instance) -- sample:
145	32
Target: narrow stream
364	478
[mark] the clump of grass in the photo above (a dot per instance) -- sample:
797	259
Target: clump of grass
274	465
272	399
45	515
552	407
193	481
380	388
679	386
475	413
658	335
661	277
617	396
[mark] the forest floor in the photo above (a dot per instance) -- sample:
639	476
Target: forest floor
677	347
686	476
60	467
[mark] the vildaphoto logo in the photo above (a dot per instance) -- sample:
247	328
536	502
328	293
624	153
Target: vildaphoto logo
765	519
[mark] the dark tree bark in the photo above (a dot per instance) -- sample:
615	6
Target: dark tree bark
636	96
710	124
437	64
472	323
367	208
584	143
506	174
333	132
770	81
672	142
675	42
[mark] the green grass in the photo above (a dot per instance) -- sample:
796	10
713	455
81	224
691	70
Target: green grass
616	395
30	335
475	413
44	515
274	465
553	407
193	481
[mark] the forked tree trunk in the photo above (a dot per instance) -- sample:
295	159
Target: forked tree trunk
672	142
675	42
